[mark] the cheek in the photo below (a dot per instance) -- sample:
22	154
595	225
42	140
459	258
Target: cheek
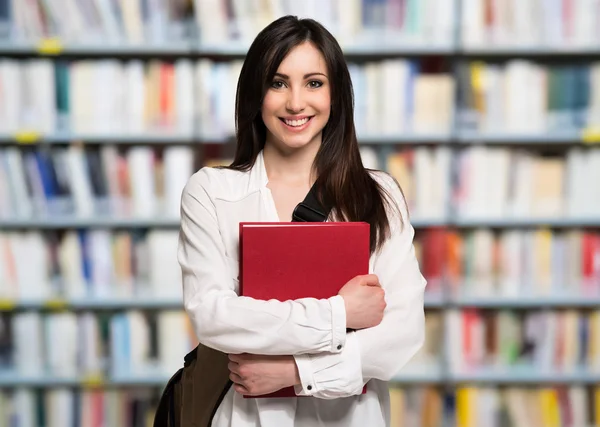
269	106
323	103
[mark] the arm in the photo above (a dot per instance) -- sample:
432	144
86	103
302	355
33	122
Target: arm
377	352
232	324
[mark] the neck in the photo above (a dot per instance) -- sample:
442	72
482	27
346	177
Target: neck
290	165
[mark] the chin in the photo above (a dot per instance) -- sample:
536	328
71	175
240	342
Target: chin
300	142
296	143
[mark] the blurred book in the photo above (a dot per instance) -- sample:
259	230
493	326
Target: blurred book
530	23
523	343
523	97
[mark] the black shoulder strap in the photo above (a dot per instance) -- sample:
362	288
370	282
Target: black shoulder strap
310	210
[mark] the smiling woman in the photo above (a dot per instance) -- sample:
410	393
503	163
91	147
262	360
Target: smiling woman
295	132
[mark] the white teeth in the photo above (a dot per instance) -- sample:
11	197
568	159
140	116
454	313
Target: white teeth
296	122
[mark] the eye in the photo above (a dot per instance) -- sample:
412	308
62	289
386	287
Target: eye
277	84
313	84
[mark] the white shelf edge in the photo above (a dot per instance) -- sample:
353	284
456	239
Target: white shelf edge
491	49
11	379
474	137
89	222
231	48
431	301
134	302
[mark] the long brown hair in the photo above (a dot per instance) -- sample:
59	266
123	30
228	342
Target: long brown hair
342	181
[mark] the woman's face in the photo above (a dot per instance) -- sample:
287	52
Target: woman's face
296	106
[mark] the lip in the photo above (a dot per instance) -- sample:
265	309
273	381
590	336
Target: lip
296	128
295	117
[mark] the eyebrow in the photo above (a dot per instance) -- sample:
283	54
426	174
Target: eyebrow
285	76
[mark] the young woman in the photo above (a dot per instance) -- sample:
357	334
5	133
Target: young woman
294	116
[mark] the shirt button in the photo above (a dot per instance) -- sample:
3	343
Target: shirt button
309	387
339	347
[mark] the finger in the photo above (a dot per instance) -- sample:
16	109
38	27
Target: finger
236	358
241	389
371	280
236	378
233	367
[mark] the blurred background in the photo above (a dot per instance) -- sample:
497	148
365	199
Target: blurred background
486	111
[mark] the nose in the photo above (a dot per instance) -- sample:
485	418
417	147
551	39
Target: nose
296	101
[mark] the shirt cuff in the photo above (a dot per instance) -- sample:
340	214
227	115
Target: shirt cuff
330	376
338	323
307	384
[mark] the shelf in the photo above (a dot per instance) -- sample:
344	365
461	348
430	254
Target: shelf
525	376
434	300
524	302
237	49
555	138
53	47
404	139
68	222
378	48
591	222
30	138
9	379
71	222
232	49
165	138
432	377
134	302
529	51
491	377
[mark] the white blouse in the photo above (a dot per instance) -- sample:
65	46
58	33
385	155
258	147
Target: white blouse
335	364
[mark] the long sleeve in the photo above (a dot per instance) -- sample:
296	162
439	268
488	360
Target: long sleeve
235	324
381	351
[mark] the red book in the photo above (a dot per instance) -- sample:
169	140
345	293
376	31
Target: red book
292	260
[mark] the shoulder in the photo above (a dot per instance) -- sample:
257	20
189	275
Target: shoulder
217	183
383	178
388	183
396	204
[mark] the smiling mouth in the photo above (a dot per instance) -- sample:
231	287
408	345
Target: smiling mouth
296	123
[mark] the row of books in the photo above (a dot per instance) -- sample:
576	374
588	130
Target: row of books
140	344
486	182
121	265
531	23
139	181
540	341
522	96
502	182
90	264
109	97
62	407
220	21
511	263
471	406
476	182
410	406
124	344
191	98
187	98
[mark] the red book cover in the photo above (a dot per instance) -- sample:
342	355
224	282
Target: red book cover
292	260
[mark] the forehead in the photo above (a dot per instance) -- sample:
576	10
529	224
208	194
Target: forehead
302	59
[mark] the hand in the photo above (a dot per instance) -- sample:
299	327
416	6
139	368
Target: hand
254	375
364	301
